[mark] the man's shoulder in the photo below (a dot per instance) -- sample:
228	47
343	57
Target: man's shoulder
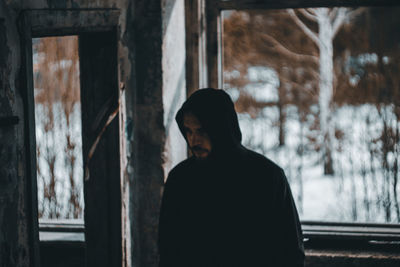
259	161
267	172
180	169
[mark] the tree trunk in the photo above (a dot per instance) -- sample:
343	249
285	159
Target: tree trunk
282	115
326	88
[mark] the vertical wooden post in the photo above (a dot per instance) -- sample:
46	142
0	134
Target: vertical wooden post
102	190
30	199
196	47
214	44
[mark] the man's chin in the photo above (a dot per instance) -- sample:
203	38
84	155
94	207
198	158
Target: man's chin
201	155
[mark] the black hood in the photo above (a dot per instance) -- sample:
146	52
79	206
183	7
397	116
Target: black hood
216	113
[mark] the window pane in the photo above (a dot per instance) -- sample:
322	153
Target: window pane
318	91
58	127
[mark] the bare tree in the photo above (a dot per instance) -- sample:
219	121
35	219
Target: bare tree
57	95
362	54
258	39
329	21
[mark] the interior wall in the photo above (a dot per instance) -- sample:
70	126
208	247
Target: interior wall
152	82
14	205
174	82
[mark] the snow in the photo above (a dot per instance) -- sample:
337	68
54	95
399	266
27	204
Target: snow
263	84
54	144
361	190
233	93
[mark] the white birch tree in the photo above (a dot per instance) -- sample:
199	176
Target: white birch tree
329	21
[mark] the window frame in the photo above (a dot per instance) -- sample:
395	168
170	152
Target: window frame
46	23
205	38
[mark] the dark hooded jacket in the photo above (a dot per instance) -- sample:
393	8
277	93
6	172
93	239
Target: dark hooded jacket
234	208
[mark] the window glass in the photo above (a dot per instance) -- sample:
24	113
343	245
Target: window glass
317	91
58	127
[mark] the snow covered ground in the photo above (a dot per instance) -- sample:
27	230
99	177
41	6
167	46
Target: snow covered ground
362	188
54	159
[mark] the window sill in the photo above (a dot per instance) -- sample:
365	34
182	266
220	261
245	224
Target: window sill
351	244
350	258
352	231
67	231
352	254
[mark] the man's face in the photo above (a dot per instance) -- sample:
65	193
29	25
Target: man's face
198	140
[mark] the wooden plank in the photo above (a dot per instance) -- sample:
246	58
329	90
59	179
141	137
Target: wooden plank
29	138
196	47
192	21
214	45
47	236
352	231
65	22
202	43
277	4
102	191
67	225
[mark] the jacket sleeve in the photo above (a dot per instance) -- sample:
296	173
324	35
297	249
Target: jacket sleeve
289	233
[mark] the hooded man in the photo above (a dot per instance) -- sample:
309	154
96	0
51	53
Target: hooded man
225	205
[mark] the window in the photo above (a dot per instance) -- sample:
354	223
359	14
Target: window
94	133
317	93
339	145
58	128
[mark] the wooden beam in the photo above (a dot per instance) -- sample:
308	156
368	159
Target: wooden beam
102	189
196	49
214	45
29	137
192	45
278	4
65	22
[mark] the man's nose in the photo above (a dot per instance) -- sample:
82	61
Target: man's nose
195	140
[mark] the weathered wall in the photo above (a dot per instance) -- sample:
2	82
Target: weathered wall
152	81
14	222
158	45
348	258
145	128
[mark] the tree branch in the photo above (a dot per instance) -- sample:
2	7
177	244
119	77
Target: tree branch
283	50
333	13
308	14
304	28
300	86
339	20
354	13
311	11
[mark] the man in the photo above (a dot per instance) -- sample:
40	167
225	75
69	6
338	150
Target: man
225	205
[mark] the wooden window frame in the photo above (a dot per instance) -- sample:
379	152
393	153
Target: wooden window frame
204	37
102	192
